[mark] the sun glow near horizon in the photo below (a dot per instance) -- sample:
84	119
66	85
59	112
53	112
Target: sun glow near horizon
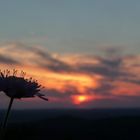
79	99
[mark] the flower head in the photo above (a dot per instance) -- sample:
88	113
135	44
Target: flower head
17	86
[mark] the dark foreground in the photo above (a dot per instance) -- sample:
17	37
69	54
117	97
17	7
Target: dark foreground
68	128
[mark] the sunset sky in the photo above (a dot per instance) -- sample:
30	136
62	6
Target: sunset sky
86	53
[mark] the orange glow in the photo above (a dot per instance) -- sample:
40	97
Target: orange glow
78	99
60	81
82	98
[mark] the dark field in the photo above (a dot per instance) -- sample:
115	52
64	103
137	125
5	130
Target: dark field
117	124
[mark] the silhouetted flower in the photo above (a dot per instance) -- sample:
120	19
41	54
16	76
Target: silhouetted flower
17	86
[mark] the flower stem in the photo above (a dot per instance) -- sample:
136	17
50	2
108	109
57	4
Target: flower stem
3	128
7	114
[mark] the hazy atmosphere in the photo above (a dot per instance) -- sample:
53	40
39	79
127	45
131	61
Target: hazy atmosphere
86	53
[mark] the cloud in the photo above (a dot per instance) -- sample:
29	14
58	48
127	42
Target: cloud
33	55
66	75
68	92
8	60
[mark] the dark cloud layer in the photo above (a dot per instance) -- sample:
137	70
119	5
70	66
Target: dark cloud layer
7	60
50	62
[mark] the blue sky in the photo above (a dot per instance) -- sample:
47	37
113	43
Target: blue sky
71	25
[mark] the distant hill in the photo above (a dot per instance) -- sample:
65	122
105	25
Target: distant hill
123	125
